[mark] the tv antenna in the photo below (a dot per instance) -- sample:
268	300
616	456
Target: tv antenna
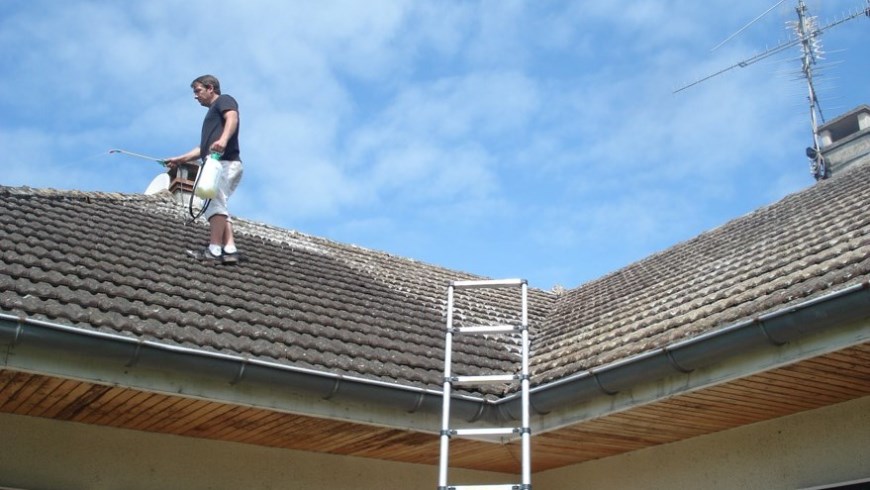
806	35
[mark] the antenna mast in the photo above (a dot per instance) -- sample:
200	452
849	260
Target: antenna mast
807	32
811	50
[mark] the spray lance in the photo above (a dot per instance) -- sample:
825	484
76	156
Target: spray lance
138	155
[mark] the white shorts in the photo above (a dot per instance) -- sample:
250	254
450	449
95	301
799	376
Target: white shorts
231	174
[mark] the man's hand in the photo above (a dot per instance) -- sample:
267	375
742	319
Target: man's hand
173	162
219	146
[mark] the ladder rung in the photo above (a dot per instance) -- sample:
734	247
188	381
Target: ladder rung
492	378
488	283
503	486
496	431
489	329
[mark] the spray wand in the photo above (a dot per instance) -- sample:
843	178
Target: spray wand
138	155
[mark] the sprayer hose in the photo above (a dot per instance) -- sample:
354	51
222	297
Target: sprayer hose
194	217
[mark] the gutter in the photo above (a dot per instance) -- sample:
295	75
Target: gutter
777	328
126	353
774	329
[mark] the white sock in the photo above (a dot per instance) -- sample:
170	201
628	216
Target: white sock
230	249
214	249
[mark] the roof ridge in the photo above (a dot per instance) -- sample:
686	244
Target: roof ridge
50	192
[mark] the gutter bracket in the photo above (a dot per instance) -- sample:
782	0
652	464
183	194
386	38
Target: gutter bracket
674	363
241	373
136	353
538	410
601	386
419	403
767	335
481	408
335	387
19	329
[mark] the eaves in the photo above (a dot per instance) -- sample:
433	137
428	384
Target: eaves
830	322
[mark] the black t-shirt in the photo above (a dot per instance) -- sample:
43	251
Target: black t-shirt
213	127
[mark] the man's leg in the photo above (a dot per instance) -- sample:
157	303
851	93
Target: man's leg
217	224
228	239
221	239
222	230
218	228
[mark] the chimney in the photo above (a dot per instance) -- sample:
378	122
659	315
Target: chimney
182	179
845	141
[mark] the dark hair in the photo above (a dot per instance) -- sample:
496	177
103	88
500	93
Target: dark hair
208	81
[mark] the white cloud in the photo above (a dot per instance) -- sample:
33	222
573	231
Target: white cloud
400	124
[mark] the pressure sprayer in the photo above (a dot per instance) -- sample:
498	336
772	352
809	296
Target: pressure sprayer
209	185
209	177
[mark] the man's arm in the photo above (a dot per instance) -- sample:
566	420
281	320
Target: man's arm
193	154
231	123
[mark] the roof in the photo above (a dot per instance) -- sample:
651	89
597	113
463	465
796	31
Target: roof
117	263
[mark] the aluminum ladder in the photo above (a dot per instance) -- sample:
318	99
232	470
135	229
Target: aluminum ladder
522	376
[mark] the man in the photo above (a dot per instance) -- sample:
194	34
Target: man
220	134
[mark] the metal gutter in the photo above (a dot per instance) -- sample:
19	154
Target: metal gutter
127	352
774	329
777	328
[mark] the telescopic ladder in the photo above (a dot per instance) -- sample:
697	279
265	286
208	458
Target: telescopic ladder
522	376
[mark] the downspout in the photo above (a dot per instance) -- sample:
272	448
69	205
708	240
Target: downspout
773	329
128	352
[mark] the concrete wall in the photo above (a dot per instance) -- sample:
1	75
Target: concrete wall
42	454
804	450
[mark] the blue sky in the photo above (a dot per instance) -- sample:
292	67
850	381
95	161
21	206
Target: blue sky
536	139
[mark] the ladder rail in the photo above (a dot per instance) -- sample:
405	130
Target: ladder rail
445	413
524	386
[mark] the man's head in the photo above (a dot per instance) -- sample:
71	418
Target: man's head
206	89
